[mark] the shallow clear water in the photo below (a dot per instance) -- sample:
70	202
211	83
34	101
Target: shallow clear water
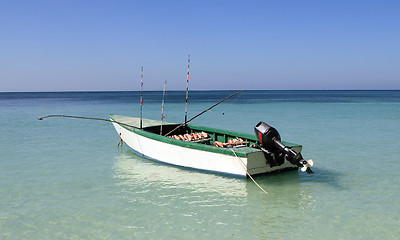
66	179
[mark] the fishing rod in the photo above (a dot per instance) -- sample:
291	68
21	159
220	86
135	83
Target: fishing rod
162	107
112	121
187	90
184	124
88	118
141	97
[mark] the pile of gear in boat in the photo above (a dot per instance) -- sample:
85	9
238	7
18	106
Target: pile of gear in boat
194	137
235	142
202	137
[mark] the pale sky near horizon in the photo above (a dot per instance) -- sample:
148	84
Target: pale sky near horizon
101	45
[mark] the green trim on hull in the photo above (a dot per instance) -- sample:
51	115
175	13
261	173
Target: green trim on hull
215	134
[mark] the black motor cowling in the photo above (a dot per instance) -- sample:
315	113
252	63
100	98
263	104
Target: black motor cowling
266	135
274	150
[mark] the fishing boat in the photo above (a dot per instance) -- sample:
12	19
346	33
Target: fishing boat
209	149
204	148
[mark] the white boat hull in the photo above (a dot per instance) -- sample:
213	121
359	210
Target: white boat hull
186	157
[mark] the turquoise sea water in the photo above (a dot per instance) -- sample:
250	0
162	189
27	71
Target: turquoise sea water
66	179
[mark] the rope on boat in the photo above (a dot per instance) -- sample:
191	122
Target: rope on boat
248	174
121	142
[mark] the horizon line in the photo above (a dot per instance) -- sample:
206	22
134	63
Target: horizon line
196	90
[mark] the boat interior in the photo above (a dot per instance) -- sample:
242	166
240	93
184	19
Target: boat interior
226	138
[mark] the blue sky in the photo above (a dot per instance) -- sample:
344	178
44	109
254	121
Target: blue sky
81	45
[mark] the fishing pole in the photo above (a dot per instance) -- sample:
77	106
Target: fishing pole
88	118
187	90
141	97
162	107
184	124
113	121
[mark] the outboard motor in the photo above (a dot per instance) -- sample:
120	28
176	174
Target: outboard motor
275	151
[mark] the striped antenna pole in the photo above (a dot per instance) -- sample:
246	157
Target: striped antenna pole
162	107
187	89
141	98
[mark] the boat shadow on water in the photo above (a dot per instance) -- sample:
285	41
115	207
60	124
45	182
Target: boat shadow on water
321	175
324	176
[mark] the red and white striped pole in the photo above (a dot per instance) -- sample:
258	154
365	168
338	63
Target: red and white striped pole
141	97
187	89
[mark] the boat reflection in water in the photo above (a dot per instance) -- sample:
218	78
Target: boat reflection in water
134	170
189	202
